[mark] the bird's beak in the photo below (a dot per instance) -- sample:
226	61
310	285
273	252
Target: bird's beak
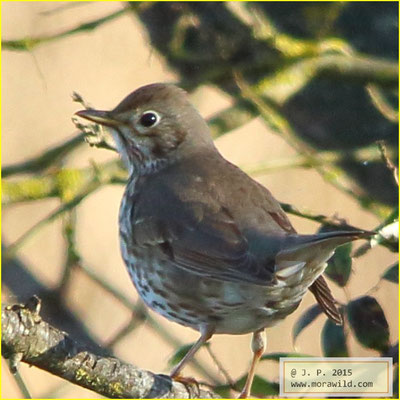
100	117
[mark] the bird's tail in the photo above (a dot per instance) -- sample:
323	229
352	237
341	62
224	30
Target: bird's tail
325	299
318	248
310	253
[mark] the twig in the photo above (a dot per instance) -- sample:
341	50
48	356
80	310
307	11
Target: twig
64	183
381	103
71	197
334	221
359	68
21	384
95	134
220	367
134	322
40	344
387	161
102	282
48	158
231	118
28	43
77	98
67	206
367	154
72	256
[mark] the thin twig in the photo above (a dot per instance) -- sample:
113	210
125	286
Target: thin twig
387	161
219	365
68	206
46	159
134	322
333	221
72	258
381	103
21	385
63	183
28	43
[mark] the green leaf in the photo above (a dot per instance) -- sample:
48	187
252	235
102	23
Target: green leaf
368	322
179	354
277	356
261	387
306	318
333	340
392	273
339	265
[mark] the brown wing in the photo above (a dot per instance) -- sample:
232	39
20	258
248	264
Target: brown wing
200	241
282	220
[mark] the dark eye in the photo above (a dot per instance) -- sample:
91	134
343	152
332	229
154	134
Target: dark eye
149	118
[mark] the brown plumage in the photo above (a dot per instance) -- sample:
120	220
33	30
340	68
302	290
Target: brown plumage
207	246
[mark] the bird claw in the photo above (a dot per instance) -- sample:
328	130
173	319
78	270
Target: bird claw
191	384
186	380
243	395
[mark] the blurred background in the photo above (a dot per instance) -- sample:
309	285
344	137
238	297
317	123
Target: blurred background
297	94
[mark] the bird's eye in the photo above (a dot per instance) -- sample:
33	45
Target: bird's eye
149	118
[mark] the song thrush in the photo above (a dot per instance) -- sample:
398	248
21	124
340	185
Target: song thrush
205	245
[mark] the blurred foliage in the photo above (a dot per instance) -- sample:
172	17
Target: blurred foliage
323	75
368	322
392	273
306	319
339	266
333	340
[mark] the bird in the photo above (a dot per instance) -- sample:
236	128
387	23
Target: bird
205	245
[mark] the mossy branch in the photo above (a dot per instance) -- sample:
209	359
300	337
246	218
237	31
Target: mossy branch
26	337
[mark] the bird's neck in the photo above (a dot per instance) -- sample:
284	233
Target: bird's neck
149	166
145	166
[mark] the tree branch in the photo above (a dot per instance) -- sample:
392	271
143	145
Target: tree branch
26	337
46	159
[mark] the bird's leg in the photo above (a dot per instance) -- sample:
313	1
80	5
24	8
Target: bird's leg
206	334
258	344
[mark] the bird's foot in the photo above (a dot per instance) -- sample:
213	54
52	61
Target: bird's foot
185	380
244	394
191	384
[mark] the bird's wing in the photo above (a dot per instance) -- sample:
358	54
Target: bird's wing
204	242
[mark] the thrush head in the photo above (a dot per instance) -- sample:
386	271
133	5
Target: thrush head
154	125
